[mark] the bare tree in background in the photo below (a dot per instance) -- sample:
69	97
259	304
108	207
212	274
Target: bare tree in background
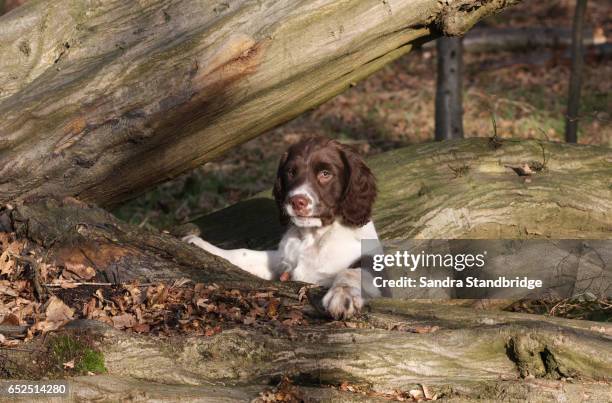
573	102
449	105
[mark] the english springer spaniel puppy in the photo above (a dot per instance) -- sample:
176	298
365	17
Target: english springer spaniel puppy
325	193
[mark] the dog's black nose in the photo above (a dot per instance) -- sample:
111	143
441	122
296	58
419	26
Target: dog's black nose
299	202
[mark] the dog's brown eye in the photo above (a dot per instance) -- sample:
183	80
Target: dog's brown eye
324	175
291	172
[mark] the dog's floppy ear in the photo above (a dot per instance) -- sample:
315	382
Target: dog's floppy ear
279	191
360	191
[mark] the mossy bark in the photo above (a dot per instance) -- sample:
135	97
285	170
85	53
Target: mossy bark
101	100
469	356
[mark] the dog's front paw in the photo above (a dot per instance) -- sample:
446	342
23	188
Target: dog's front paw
192	239
343	301
197	241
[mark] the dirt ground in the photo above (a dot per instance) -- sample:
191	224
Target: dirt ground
525	91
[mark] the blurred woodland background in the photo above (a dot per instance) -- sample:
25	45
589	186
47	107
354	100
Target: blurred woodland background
524	88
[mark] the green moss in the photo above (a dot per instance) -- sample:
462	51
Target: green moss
91	361
65	348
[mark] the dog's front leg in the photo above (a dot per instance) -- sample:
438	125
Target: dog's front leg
263	264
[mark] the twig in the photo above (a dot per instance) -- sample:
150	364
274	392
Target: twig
71	285
98	284
494	141
79	284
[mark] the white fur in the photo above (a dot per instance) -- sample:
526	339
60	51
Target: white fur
306	221
313	254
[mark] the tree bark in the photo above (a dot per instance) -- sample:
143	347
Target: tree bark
449	89
103	100
472	356
573	97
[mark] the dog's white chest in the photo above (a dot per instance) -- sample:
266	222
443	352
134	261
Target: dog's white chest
316	256
302	258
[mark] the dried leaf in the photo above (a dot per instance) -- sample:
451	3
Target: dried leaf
80	271
44	327
157	295
11	320
142	328
89	308
7	265
272	311
416	394
180	282
8	291
427	392
523	170
99	295
136	293
124	321
57	311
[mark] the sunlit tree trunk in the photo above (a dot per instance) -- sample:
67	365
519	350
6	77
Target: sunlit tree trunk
102	100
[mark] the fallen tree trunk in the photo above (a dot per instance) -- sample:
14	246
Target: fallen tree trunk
387	352
103	100
475	189
463	188
467	355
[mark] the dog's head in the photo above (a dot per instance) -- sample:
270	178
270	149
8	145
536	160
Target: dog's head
320	180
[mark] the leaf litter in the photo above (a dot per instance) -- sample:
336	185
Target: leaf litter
180	307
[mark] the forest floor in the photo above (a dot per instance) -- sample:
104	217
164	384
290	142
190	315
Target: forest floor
525	91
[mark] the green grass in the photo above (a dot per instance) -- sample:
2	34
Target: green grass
65	348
